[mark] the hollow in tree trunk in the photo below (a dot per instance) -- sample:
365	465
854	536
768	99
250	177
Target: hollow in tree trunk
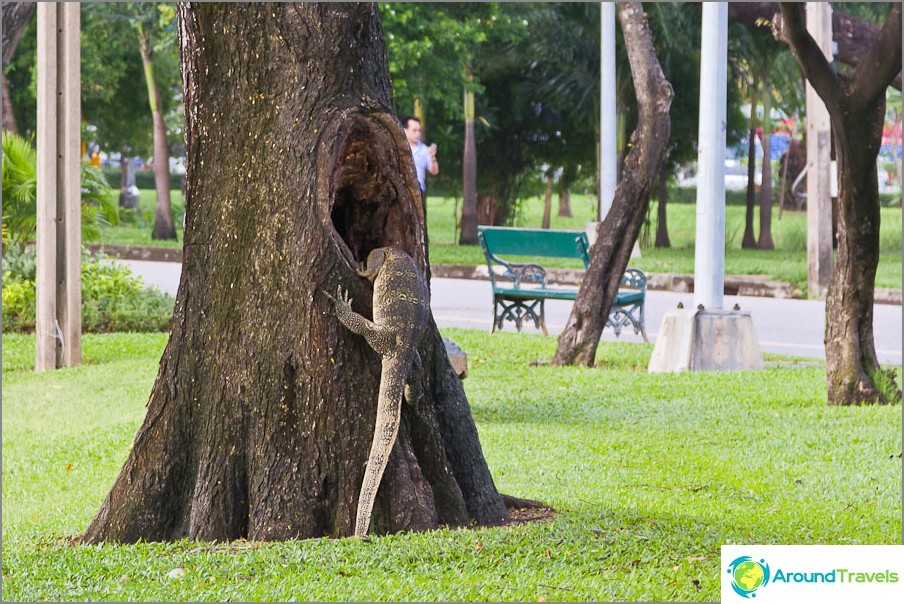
164	227
262	414
618	232
856	105
662	225
765	240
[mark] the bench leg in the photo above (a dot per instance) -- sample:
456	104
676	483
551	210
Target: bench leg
543	317
495	318
643	324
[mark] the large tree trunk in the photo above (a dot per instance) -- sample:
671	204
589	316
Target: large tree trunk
856	104
765	240
164	227
662	225
468	235
749	240
618	232
262	415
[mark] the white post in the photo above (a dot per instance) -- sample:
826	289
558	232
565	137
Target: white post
608	151
46	340
58	287
69	193
709	253
819	159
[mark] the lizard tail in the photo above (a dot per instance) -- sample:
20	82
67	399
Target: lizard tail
389	408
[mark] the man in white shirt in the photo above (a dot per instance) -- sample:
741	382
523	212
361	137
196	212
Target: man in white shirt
424	156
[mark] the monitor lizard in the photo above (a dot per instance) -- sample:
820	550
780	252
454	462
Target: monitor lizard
400	311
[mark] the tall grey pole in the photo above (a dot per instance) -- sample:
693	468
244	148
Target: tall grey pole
819	162
58	289
608	154
709	253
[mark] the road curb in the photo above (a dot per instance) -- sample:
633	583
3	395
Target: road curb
735	285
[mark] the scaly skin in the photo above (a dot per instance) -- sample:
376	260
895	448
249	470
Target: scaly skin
400	306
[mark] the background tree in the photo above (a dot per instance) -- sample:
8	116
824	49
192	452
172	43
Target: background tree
618	232
114	94
856	104
755	56
262	413
152	30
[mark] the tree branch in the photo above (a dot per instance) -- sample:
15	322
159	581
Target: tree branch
881	63
853	35
15	18
789	27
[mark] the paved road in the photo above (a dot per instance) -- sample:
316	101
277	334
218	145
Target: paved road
783	326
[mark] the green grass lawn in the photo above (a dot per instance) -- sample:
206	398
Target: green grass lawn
650	474
138	231
787	263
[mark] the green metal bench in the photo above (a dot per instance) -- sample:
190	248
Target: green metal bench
520	289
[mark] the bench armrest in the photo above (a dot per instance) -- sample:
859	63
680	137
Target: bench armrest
635	278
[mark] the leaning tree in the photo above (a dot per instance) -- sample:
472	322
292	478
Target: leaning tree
262	414
856	104
618	232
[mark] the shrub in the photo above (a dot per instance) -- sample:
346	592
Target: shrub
113	299
99	205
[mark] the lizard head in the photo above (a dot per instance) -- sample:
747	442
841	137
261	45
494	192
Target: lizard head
374	263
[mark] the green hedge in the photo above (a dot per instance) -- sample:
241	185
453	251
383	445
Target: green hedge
113	299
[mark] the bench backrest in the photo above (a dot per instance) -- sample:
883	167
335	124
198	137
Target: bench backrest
534	242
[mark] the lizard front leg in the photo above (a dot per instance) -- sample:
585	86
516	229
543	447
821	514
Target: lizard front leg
378	338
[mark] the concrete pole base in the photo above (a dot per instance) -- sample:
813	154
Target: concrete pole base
702	340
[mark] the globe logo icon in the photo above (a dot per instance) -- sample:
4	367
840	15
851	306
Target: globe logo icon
748	575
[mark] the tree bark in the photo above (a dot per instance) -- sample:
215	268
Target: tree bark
749	241
854	36
566	179
856	105
468	235
262	415
9	119
164	227
765	240
618	232
565	203
662	225
547	203
15	18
